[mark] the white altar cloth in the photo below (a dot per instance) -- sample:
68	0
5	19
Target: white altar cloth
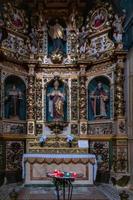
88	158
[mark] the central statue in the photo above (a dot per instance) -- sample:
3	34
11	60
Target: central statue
57	34
56	103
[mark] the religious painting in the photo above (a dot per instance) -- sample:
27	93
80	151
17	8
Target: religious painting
56	37
99	99
98	18
56	101
15	98
16	18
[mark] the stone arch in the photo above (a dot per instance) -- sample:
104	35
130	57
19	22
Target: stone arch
99	98
14	98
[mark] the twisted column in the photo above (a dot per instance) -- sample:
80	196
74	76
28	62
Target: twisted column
119	92
82	100
31	100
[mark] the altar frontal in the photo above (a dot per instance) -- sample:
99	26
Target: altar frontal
37	166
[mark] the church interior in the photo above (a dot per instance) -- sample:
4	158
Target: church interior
66	99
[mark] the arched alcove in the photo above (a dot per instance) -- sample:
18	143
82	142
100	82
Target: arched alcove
99	98
56	36
56	100
14	98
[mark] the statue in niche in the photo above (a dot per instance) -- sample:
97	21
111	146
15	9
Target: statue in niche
56	100
33	41
118	28
99	99
14	103
82	37
57	34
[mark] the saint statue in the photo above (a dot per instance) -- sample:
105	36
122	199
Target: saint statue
118	28
99	100
13	102
82	38
56	32
56	103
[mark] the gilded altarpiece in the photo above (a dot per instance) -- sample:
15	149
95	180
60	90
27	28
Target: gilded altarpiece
70	74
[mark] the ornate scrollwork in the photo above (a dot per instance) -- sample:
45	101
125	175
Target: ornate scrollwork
14	152
39	99
119	93
57	126
39	129
82	99
74	99
74	129
120	156
30	98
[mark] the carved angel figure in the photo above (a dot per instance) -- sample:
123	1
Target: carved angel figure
118	28
82	37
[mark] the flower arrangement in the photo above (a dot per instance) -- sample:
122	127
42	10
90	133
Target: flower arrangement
69	140
42	140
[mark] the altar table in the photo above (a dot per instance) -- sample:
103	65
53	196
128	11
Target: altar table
36	167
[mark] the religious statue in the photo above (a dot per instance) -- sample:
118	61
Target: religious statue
56	32
99	98
82	37
13	103
72	20
98	18
56	103
118	28
33	44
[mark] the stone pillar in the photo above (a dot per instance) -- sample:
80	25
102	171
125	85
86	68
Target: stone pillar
120	154
0	95
129	115
31	99
82	100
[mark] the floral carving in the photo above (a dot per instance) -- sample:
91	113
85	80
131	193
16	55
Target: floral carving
74	99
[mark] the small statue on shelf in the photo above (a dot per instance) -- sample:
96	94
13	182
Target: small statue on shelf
33	41
118	28
57	34
82	38
72	20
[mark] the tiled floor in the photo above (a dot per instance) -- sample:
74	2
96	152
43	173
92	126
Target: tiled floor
100	192
79	193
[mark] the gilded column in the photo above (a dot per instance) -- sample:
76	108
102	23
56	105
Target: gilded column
0	95
120	156
31	99
119	95
82	100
